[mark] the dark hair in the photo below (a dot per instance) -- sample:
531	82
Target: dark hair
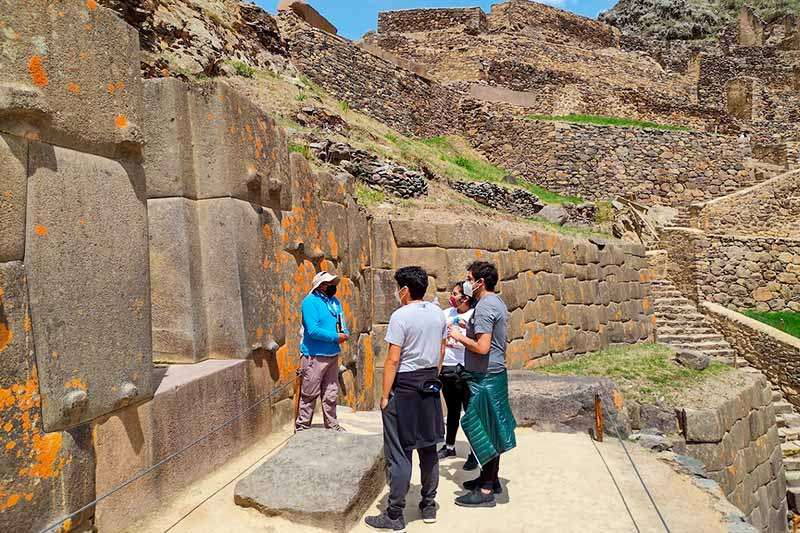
472	301
485	271
413	277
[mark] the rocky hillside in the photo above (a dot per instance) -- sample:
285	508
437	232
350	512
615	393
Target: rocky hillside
687	19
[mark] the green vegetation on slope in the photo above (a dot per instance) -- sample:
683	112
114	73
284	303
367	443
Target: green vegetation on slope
599	120
643	372
367	196
786	321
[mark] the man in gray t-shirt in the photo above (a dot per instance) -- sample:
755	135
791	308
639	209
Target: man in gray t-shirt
484	360
419	329
489	317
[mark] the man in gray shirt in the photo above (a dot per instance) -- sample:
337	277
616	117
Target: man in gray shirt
410	403
485	371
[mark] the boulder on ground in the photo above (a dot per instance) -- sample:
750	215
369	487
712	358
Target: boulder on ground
690	359
321	477
564	403
555	214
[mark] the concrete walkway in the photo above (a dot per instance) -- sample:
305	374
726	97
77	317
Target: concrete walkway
554	483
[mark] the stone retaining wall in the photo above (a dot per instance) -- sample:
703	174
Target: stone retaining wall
472	19
396	96
775	353
771	208
595	162
565	296
738	443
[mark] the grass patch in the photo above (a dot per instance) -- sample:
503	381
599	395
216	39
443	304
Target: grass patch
600	120
643	372
302	149
605	212
243	69
368	196
786	321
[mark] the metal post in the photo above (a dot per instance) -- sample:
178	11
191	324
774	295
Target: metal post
598	418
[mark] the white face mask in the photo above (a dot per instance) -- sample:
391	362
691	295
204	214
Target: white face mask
469	288
397	295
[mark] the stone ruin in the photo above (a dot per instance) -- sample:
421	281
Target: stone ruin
159	236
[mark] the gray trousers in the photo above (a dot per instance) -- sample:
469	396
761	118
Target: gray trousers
398	462
320	378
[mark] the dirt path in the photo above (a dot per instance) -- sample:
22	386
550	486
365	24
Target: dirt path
554	483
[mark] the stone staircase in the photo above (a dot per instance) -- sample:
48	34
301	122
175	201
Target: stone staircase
680	325
789	431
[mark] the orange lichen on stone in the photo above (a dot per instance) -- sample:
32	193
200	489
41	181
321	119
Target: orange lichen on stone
82	221
121	121
120	86
259	332
10	445
110	88
12	501
87	27
37	72
40	230
73	88
26	322
91	4
265	264
45	451
54	354
334	246
210	116
617	398
76	383
267	231
6	335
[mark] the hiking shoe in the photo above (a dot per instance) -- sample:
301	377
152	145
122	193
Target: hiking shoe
476	498
429	514
338	428
445	452
382	521
475	484
472	462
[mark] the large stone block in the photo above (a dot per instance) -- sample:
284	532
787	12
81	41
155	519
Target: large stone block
379	345
190	401
384	249
241	276
703	425
302	226
357	253
208	141
70	77
13	195
433	260
87	263
43	476
365	373
413	233
335	477
384	295
334	230
178	315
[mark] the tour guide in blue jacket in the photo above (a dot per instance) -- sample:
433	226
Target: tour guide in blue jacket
324	331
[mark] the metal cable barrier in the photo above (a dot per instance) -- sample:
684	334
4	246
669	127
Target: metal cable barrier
169	458
635	469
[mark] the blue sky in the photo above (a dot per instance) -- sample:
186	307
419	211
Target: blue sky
354	18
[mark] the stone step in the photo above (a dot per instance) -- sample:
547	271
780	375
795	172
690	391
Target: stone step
685	330
791	449
789	434
661	293
777	396
792	464
704	347
793	498
793	479
783	408
673	302
691	338
788	420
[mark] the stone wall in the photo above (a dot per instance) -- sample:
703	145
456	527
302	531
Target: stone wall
734	271
565	296
398	97
595	162
771	208
736	438
472	19
750	272
773	352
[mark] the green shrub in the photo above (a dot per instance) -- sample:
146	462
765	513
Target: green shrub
243	69
368	196
301	97
302	149
344	106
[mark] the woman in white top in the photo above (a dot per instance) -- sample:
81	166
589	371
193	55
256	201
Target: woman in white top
458	313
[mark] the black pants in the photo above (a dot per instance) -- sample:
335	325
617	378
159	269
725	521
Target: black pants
454	397
398	462
490	472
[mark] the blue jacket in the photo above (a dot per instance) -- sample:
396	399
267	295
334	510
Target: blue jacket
320	315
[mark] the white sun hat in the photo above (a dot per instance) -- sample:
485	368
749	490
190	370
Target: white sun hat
324	277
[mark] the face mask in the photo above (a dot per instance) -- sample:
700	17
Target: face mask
468	288
330	291
453	302
397	295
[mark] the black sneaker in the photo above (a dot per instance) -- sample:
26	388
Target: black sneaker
476	498
429	514
474	484
472	462
446	452
382	521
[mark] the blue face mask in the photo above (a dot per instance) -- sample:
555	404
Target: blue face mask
468	288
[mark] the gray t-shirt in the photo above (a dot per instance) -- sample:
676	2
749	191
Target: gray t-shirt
490	316
419	329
